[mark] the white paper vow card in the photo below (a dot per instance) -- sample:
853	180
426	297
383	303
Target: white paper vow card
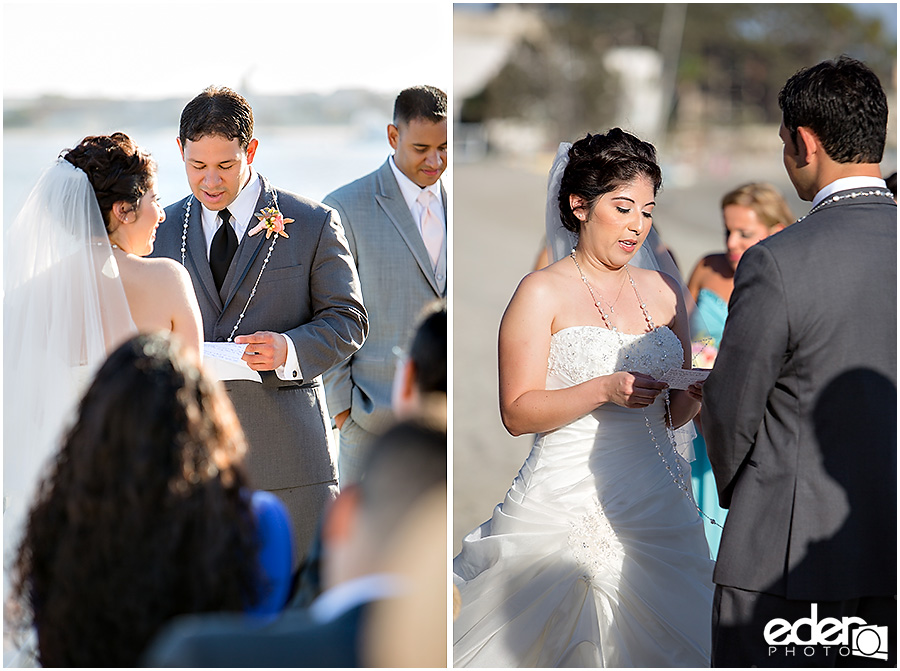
223	361
680	378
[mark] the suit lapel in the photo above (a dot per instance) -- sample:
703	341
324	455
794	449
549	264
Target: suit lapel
196	256
394	205
249	247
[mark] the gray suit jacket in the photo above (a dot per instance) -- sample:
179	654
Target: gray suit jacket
310	292
398	281
799	413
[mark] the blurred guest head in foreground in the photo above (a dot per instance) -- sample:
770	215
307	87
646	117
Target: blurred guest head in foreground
420	382
384	565
142	517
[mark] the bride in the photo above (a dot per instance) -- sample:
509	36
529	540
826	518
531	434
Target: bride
597	555
76	285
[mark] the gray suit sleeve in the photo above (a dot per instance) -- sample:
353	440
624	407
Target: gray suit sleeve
747	367
340	323
338	380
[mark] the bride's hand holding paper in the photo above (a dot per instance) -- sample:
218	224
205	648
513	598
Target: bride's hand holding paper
633	389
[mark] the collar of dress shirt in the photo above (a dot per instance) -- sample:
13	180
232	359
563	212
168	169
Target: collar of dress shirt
847	183
334	602
242	210
411	191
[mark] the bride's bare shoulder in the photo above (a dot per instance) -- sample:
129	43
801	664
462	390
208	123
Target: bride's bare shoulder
541	293
161	273
552	278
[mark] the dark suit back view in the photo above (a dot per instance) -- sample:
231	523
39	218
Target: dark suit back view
800	411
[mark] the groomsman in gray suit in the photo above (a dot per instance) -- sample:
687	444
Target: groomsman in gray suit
800	411
396	222
288	290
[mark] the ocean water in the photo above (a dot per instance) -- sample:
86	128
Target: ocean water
310	161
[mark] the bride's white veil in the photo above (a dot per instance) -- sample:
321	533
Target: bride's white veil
652	255
64	308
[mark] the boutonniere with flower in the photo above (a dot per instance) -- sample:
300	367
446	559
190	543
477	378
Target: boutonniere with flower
271	221
703	354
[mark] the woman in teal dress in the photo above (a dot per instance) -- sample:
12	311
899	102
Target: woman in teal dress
750	213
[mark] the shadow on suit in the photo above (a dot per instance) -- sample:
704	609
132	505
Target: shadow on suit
870	527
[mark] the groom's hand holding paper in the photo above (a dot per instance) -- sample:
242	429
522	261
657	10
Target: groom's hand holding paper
265	350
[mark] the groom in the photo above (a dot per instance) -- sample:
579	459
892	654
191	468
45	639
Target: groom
295	301
800	411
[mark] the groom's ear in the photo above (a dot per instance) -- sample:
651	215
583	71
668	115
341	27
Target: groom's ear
251	150
180	148
808	143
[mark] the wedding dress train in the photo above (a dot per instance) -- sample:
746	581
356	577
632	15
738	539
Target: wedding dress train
595	557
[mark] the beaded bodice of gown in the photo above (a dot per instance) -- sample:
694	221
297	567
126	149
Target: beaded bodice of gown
580	353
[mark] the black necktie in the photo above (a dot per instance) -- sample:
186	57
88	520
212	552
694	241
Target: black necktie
221	251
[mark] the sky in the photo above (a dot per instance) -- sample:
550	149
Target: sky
887	11
149	50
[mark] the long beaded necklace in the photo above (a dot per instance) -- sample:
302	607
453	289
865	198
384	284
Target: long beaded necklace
187	218
854	194
677	474
612	306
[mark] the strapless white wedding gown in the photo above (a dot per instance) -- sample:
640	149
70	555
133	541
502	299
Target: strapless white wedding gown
595	558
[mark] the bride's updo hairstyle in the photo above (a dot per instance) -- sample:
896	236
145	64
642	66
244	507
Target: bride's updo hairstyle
599	164
117	168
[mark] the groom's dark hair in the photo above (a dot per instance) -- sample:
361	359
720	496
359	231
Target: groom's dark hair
420	102
217	111
843	103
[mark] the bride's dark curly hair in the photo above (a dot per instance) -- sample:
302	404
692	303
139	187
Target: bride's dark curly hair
118	169
144	516
600	163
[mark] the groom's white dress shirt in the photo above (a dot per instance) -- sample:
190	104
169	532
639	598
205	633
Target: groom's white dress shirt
243	210
847	183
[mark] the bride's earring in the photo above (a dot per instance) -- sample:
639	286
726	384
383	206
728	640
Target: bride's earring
576	204
120	213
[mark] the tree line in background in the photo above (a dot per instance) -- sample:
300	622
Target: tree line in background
735	57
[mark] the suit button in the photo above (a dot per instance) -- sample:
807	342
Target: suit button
220	339
440	278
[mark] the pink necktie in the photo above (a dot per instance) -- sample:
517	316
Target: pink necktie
431	226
